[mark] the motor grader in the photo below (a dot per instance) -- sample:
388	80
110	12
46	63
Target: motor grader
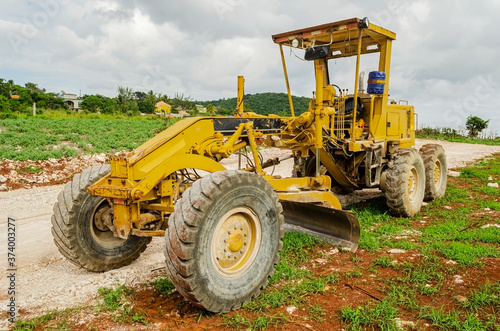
223	228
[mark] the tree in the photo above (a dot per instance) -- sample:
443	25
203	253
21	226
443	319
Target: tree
211	109
475	125
98	103
124	99
147	103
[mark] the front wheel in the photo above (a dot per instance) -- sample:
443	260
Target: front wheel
223	239
81	227
405	183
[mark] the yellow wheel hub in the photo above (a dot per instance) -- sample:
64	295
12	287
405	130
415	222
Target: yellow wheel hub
412	183
437	173
236	241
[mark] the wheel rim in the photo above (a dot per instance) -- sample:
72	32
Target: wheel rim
101	218
236	241
437	173
413	183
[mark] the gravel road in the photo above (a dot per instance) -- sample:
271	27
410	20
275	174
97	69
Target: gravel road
45	280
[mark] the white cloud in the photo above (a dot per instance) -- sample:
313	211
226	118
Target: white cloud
199	47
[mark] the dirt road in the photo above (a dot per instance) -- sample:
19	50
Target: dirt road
45	280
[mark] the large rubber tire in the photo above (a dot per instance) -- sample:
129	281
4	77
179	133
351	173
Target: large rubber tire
435	171
223	239
76	234
405	183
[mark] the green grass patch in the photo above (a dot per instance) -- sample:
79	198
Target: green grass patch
443	231
494	205
453	135
455	320
383	261
118	301
37	321
262	322
453	194
375	222
294	293
114	298
474	173
163	286
487	295
44	138
380	315
464	253
316	313
426	275
297	248
489	235
32	169
489	190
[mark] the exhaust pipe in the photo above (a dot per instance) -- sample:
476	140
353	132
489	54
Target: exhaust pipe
361	87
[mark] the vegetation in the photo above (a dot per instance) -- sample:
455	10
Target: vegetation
451	238
475	125
44	138
261	103
458	135
17	101
163	286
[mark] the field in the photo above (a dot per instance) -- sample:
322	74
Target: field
438	270
44	138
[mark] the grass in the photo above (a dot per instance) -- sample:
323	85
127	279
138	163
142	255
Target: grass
37	321
455	320
296	250
383	261
381	315
241	322
417	285
486	295
118	301
454	135
163	286
454	231
44	138
464	253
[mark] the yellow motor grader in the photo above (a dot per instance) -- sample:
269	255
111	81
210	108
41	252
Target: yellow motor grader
223	228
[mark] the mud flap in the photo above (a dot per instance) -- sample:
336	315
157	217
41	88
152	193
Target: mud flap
339	227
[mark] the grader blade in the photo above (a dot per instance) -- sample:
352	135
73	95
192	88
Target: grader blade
339	227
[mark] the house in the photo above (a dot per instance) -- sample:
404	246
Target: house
72	101
163	107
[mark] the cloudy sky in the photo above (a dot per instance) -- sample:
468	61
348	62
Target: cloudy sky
445	58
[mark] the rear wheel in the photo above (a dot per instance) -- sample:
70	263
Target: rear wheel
81	227
223	239
405	183
435	171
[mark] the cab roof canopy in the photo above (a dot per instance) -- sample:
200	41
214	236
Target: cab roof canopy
342	36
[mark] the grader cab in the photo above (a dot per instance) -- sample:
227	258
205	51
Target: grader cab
223	228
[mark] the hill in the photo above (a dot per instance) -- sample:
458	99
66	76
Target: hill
261	103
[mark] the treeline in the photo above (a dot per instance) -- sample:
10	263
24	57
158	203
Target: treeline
261	103
17	100
133	103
